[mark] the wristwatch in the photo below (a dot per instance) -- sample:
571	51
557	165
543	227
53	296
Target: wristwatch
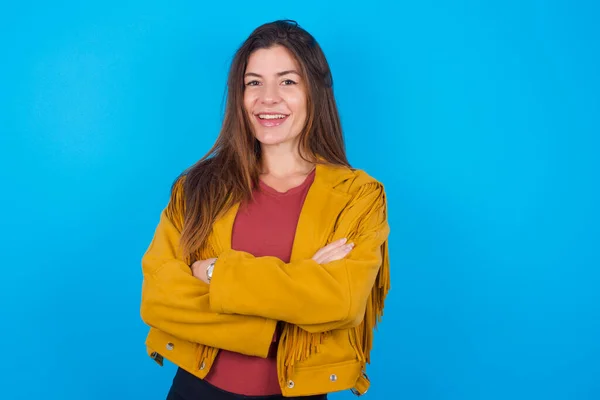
209	270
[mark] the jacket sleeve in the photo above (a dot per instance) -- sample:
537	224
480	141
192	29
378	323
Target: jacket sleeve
316	297
176	302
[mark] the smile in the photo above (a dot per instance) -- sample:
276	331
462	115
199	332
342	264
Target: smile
271	120
271	116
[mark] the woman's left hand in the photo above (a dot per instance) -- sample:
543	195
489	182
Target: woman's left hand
199	269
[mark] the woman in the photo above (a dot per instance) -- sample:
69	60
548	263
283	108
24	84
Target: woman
268	269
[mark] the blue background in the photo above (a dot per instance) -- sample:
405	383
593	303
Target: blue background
481	118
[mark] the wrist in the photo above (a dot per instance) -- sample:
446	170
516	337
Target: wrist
209	270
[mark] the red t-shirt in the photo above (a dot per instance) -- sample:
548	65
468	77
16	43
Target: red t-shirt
264	227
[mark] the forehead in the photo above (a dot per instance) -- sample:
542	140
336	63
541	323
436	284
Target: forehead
271	61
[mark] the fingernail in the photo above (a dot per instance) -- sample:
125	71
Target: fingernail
343	240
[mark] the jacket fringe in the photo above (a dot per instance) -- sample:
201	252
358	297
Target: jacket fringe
298	345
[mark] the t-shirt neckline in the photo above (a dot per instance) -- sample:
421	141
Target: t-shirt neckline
307	181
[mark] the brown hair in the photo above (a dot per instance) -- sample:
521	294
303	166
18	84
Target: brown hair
230	170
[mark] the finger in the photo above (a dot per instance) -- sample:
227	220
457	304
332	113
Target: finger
337	254
319	259
325	253
331	246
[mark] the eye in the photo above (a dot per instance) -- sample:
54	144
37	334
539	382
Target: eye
252	83
289	82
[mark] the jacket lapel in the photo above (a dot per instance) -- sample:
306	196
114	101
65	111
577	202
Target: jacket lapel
322	206
320	211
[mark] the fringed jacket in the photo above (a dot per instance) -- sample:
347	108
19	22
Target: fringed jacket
328	311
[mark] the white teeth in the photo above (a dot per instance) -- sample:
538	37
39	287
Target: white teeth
271	116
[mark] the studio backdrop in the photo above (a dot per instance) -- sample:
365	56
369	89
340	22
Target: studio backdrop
480	118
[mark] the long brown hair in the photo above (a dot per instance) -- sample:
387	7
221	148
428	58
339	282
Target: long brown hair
230	170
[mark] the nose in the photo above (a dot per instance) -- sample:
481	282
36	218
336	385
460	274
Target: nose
270	94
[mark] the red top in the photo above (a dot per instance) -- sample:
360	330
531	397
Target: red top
264	227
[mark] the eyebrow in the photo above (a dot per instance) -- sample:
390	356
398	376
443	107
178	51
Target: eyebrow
282	73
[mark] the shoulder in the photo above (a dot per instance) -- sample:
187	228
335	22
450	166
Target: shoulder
364	199
178	190
352	181
175	209
366	192
362	180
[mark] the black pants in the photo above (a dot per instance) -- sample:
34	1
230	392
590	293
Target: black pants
189	387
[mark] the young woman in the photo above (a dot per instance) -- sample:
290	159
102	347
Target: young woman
268	270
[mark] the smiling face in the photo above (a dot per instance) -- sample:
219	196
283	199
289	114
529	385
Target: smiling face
275	96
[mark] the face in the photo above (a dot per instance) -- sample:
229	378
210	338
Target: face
275	96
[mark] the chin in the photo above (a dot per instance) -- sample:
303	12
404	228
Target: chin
271	139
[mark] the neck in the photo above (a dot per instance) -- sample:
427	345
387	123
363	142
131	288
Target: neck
281	162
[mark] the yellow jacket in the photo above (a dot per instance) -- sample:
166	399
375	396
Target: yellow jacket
328	311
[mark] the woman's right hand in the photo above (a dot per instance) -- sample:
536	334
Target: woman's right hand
333	251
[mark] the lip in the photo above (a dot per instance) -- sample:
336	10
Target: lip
269	123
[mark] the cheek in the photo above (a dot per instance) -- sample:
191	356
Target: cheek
299	105
248	102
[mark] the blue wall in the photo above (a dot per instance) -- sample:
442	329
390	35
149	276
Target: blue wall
480	117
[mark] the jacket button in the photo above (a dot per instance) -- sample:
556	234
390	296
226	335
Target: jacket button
333	378
170	346
203	365
291	384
